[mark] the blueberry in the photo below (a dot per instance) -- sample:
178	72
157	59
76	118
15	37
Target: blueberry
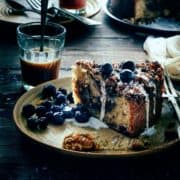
57	108
128	65
32	123
79	107
42	122
58	92
81	117
49	116
70	98
58	118
28	110
41	110
63	91
126	75
106	70
49	91
60	99
47	104
68	114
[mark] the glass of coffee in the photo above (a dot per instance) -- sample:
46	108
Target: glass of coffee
75	6
40	66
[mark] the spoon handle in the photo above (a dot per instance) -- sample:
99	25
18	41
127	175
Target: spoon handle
44	4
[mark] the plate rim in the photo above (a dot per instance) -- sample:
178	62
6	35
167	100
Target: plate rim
93	154
98	8
131	25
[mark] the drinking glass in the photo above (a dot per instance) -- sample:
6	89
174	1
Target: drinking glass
75	6
37	65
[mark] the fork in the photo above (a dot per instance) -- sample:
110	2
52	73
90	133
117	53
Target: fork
172	95
36	5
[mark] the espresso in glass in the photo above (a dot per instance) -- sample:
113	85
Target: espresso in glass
37	65
36	71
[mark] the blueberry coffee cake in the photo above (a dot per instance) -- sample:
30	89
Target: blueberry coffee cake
127	96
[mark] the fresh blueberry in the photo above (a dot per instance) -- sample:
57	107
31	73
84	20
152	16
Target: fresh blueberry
79	107
40	110
28	110
32	123
47	104
49	91
81	117
63	91
70	98
42	122
60	99
57	108
58	93
49	116
106	70
128	65
59	118
68	114
126	75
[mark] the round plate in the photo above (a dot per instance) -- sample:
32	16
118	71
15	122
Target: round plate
161	25
53	136
92	8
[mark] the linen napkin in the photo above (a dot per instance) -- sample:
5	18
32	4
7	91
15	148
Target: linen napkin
166	51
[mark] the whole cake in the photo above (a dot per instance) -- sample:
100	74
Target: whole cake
126	96
145	10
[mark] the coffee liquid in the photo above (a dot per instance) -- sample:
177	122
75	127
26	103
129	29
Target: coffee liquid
34	73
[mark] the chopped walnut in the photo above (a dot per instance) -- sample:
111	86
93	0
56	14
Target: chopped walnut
80	142
137	145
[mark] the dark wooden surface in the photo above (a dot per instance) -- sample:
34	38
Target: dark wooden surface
20	158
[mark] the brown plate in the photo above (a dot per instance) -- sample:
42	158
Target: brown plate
112	143
92	8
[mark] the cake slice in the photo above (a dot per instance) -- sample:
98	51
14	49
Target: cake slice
127	96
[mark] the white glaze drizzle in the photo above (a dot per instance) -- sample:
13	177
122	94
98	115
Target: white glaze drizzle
147	105
154	100
103	100
93	123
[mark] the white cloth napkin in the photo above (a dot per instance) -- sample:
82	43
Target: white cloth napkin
166	51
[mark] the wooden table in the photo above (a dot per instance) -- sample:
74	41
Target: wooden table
20	158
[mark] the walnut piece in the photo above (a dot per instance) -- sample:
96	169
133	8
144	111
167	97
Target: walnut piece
80	142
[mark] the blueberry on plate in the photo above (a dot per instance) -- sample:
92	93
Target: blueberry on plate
129	65
81	117
58	118
49	116
60	99
126	75
63	91
49	91
41	110
106	70
32	123
68	114
28	110
57	93
79	107
47	104
57	108
42	123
